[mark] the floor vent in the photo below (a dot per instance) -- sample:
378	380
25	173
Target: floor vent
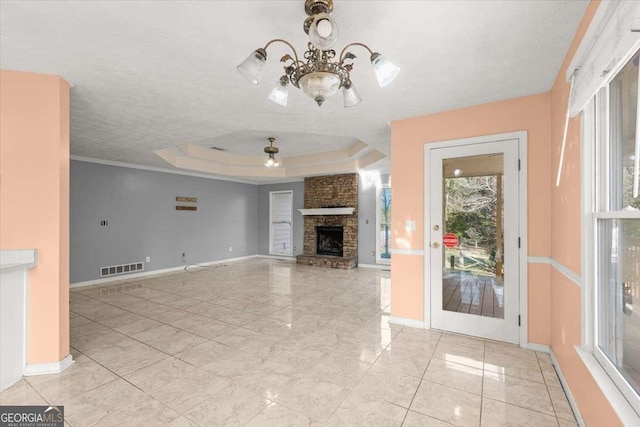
121	269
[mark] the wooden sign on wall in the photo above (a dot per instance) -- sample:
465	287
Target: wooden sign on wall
187	199
186	208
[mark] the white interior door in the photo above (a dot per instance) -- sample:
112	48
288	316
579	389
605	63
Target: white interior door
473	246
280	222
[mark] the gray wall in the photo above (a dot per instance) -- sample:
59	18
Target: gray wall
142	220
367	215
263	215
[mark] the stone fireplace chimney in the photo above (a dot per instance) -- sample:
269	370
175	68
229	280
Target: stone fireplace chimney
331	202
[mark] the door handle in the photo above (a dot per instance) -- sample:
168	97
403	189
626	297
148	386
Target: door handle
435	245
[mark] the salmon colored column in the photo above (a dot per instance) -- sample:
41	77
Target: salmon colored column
34	200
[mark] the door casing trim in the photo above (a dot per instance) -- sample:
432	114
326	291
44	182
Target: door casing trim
521	137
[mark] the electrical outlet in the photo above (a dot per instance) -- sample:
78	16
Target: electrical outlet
230	249
148	259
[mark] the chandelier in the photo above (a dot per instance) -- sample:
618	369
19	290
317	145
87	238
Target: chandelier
322	73
271	151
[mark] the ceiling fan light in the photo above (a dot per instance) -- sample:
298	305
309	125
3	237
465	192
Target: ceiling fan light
385	70
323	32
251	68
350	95
270	161
319	85
280	93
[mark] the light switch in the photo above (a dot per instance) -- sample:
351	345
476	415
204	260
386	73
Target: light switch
410	225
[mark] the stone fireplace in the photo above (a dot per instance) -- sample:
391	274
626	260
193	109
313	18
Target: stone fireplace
330	221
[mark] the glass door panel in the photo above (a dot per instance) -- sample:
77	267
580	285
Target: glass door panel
473	271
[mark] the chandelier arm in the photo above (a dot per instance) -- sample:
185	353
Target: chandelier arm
354	44
295	54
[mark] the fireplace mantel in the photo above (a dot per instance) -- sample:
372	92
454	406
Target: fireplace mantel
327	211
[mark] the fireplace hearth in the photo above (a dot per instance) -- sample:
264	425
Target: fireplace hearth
329	241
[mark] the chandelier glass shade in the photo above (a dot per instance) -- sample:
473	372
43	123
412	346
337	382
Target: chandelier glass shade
280	93
321	73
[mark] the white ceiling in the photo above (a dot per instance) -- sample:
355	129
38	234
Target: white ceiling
149	75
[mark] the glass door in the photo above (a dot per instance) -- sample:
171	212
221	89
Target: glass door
474	262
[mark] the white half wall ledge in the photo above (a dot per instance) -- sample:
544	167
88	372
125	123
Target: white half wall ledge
13	260
327	211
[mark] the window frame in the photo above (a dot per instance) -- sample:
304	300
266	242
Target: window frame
595	126
379	189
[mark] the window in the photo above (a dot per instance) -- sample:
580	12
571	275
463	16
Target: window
383	252
615	230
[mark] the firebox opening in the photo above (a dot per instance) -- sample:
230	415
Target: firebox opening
329	241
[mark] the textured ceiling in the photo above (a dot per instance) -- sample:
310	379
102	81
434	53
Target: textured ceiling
149	75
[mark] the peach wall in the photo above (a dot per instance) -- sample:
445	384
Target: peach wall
34	200
539	298
566	310
408	137
565	199
565	334
410	295
554	217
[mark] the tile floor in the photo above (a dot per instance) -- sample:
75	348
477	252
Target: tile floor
270	343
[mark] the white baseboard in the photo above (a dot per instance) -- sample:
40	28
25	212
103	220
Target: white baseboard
375	266
542	348
565	386
405	321
279	257
48	368
154	272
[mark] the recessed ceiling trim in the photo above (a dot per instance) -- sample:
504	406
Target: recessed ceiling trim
325	156
230	170
202	165
224	157
199	158
370	158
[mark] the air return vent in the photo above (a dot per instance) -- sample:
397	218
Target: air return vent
121	269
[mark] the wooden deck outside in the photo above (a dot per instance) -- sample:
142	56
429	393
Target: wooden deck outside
473	294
